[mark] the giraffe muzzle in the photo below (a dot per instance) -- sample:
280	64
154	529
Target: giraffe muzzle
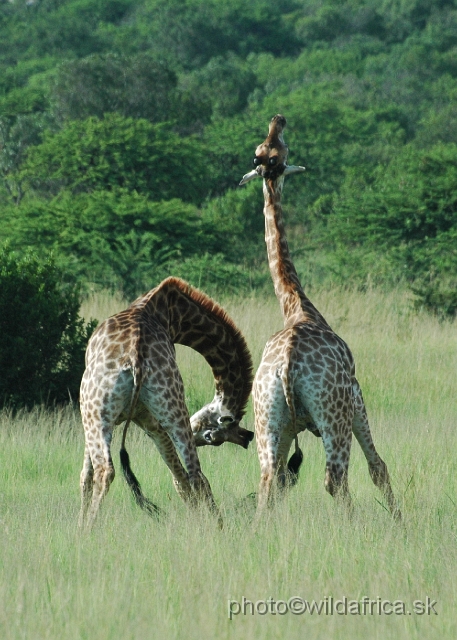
240	436
216	437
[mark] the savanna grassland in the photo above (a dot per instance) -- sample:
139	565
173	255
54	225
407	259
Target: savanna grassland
133	577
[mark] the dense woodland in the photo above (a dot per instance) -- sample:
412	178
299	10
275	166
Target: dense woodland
126	126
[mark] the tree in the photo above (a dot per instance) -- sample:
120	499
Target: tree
16	136
117	152
133	86
188	34
114	239
224	83
404	218
42	339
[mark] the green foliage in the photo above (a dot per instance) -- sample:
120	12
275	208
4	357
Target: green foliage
114	153
407	213
122	240
114	238
224	85
188	34
437	296
42	339
22	101
231	143
167	99
16	136
214	274
237	221
50	27
133	86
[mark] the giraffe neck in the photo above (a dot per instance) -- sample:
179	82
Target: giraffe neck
295	306
194	320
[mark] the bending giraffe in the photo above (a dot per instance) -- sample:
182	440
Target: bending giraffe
306	379
132	375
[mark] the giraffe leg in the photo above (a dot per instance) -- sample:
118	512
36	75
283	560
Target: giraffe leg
273	467
86	485
337	441
179	475
97	473
271	417
331	411
337	452
268	469
268	458
168	453
101	469
171	412
99	413
103	477
198	482
376	466
285	478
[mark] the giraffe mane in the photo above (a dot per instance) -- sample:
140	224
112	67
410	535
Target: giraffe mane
214	309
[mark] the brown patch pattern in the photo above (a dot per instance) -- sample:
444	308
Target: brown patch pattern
131	372
306	379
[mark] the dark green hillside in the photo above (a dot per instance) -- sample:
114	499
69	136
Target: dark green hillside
126	126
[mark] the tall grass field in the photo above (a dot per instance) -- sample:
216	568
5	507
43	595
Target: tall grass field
307	570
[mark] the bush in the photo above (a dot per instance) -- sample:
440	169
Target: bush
114	239
405	212
42	339
116	153
437	296
215	275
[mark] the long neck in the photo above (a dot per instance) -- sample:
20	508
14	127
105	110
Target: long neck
295	306
198	322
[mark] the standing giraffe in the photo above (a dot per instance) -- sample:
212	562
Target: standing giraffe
306	379
131	374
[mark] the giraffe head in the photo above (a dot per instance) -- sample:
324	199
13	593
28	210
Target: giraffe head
214	425
270	159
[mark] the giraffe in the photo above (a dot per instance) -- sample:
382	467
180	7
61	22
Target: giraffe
306	378
131	375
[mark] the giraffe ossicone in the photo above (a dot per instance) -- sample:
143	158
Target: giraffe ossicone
132	375
257	173
306	378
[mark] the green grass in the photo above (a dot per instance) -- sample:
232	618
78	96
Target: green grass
132	577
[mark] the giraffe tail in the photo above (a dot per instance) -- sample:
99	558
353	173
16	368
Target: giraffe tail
129	476
294	464
132	481
296	459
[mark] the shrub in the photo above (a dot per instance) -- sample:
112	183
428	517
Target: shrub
116	153
215	275
437	296
42	338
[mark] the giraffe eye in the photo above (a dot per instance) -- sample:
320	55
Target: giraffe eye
257	161
272	161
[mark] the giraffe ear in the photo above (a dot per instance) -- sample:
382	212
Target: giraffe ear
249	176
225	420
293	169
